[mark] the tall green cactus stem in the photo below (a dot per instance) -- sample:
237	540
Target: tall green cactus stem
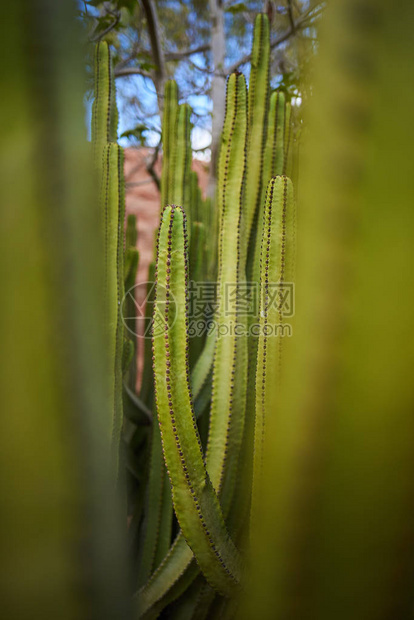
195	199
197	269
228	392
59	536
174	575
204	364
288	139
104	110
274	163
156	531
169	120
335	536
113	206
131	231
277	265
275	158
156	534
179	191
256	135
195	502
131	260
147	380
277	138
179	569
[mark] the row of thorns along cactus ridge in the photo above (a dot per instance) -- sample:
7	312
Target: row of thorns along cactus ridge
193	438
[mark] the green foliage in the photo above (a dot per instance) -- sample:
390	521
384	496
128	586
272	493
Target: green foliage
239	7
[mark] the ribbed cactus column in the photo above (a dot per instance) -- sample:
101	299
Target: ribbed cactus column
104	109
179	191
131	259
230	361
108	157
195	502
335	536
256	134
61	545
113	212
179	569
169	120
277	269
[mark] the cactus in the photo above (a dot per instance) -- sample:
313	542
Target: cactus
147	381
196	505
113	206
228	389
277	264
228	352
60	528
335	535
169	120
131	259
177	155
179	191
104	110
257	122
109	161
312	436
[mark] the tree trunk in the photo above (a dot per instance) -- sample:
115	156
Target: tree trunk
150	11
218	86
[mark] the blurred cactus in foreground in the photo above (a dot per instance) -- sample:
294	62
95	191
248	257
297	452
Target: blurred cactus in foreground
335	536
61	541
269	457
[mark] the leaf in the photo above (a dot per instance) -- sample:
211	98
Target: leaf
137	132
236	8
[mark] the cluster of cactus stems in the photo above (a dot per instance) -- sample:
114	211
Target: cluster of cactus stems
267	476
199	448
200	445
61	539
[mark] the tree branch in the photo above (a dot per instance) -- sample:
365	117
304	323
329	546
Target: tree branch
297	25
125	71
100	35
151	164
157	51
121	70
290	15
180	55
